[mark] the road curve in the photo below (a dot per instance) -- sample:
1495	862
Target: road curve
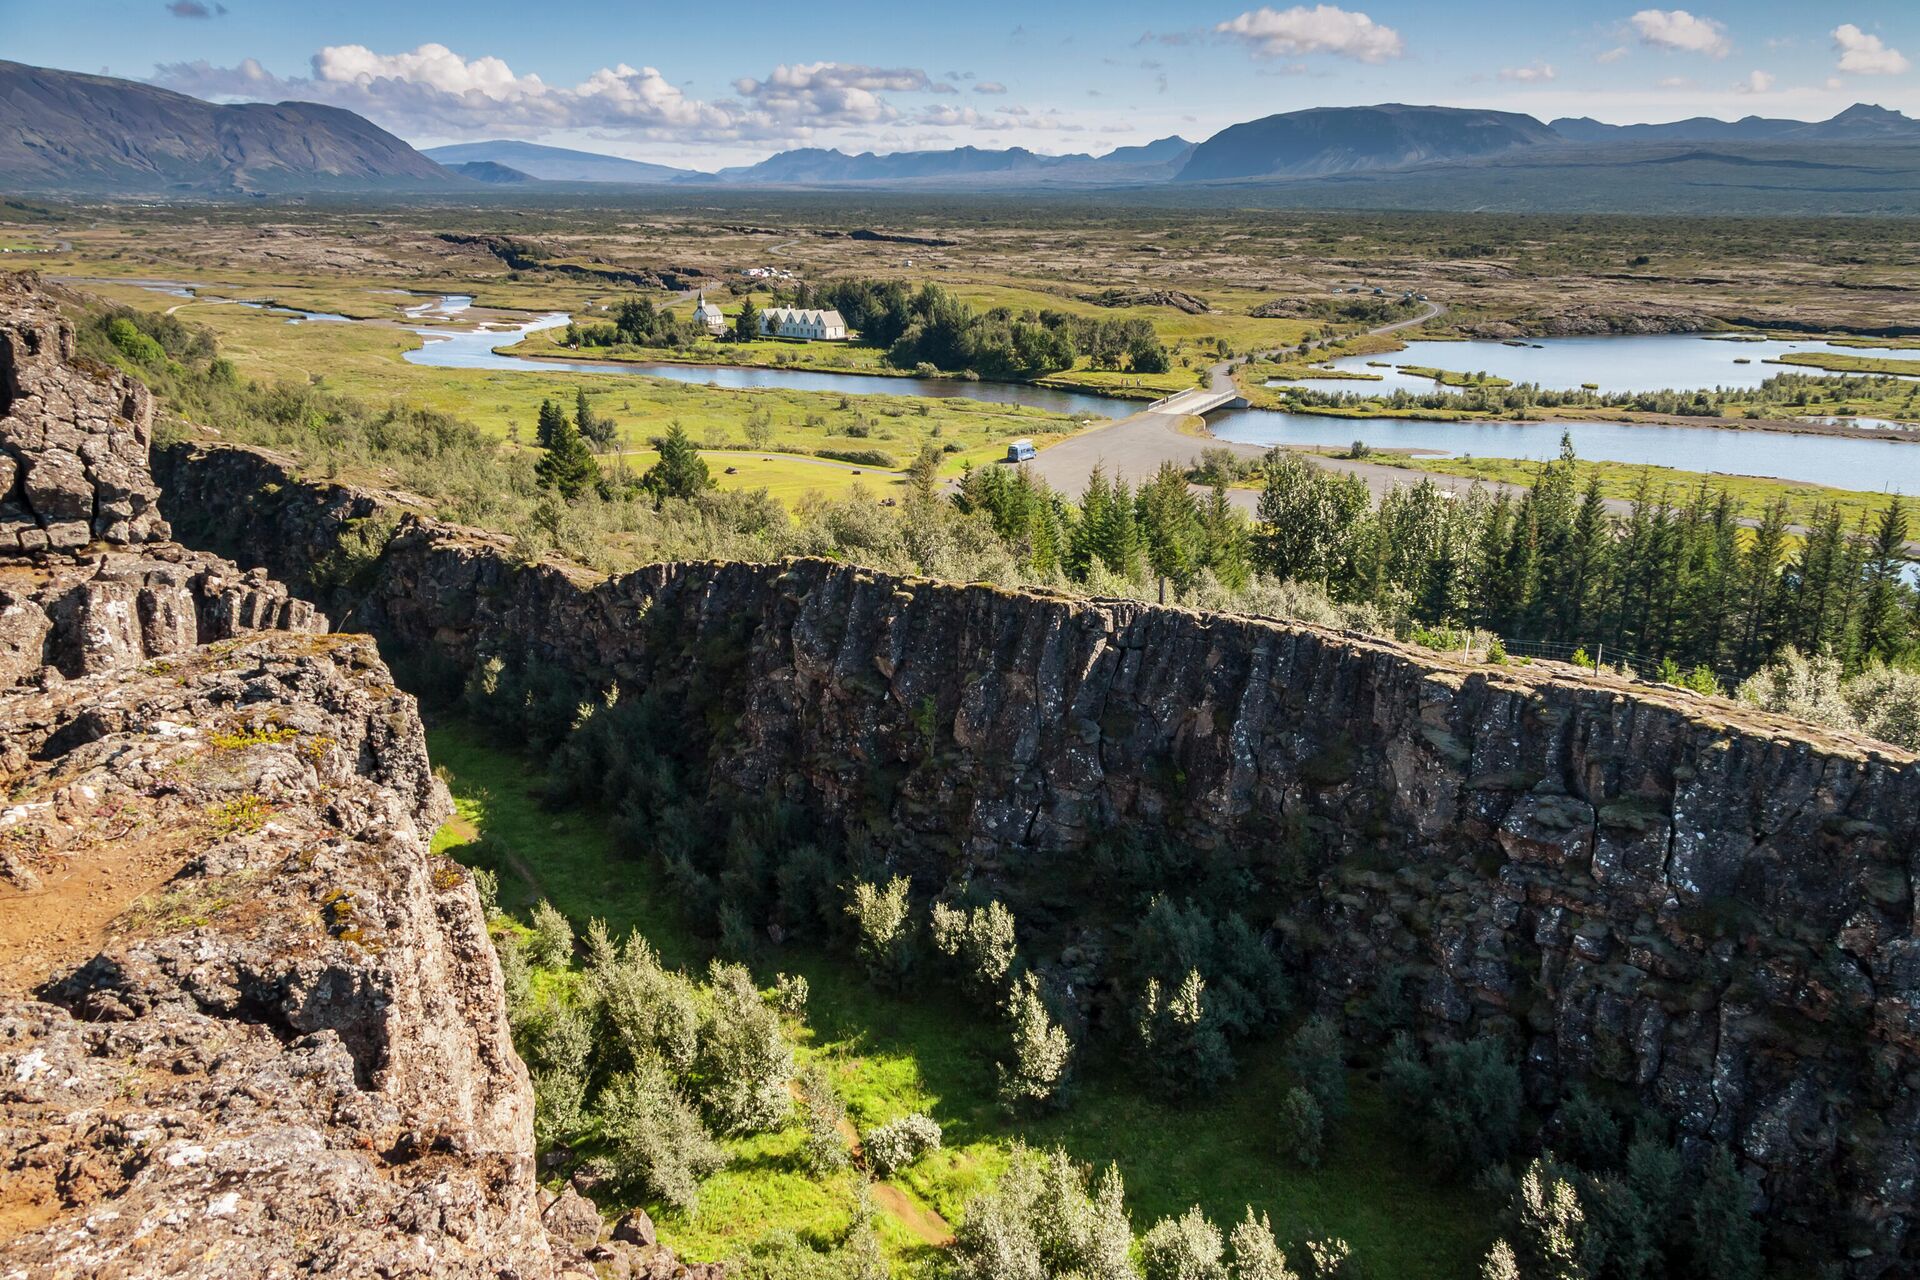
1135	447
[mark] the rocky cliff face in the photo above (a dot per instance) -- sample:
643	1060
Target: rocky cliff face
1661	895
249	1025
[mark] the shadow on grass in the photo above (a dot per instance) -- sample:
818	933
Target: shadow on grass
930	1050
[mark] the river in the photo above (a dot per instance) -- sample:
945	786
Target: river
474	349
1619	363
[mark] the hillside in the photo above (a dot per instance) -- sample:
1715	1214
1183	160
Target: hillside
64	131
1326	140
556	164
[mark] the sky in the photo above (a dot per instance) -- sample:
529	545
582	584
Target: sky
704	84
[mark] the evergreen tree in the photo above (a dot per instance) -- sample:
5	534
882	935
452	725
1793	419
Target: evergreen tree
1762	589
548	424
1883	633
566	466
1726	1236
681	472
746	325
1223	540
1170	525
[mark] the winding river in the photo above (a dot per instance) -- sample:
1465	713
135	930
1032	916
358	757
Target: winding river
1615	363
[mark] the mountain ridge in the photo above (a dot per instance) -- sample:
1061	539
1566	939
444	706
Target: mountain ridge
66	130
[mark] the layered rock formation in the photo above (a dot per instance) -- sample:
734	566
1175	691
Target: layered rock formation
1667	897
73	441
249	1025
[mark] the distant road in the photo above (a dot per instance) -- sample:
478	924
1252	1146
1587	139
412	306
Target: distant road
1134	448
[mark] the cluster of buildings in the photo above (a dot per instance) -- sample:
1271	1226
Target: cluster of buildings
808	324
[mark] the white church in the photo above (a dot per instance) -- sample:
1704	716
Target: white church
708	316
796	322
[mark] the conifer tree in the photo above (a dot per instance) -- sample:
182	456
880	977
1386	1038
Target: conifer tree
681	472
567	465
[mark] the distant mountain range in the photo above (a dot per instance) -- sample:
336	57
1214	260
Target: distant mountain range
555	164
66	132
1858	123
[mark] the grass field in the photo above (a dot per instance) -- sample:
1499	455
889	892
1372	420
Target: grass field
930	1051
367	361
1834	362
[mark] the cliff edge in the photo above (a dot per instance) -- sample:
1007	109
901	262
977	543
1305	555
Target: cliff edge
249	1024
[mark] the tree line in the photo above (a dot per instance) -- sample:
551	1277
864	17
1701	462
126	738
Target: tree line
931	326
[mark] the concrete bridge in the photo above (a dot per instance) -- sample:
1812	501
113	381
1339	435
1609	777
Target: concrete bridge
1200	401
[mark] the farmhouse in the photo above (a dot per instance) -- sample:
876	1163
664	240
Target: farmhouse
708	316
794	322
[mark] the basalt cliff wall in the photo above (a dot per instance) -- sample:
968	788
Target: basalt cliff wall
1657	894
249	1024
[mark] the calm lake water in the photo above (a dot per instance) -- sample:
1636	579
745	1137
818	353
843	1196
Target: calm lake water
1634	362
1841	461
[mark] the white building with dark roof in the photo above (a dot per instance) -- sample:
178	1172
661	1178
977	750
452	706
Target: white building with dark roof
798	322
708	316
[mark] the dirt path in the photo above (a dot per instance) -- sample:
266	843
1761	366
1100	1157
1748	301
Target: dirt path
923	1222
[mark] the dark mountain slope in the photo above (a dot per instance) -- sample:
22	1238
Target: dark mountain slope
1329	140
65	131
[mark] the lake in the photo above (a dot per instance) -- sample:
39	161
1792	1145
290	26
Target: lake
1843	462
1614	363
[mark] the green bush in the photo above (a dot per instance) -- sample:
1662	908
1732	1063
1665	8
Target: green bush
1038	1073
896	1144
744	1061
1317	1058
551	946
1465	1106
825	1149
1185	1248
656	1142
1302	1128
883	930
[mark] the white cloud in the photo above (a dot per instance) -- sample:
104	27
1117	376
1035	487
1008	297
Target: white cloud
1676	82
989	86
1325	28
1677	29
1867	55
1756	82
433	90
834	93
1611	55
1533	73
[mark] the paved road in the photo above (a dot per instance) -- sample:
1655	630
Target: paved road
1134	448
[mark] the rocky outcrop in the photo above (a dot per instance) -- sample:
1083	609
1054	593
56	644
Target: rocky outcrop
1578	319
1667	897
265	1033
249	1024
73	439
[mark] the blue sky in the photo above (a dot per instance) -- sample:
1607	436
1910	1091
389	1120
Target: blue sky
710	84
